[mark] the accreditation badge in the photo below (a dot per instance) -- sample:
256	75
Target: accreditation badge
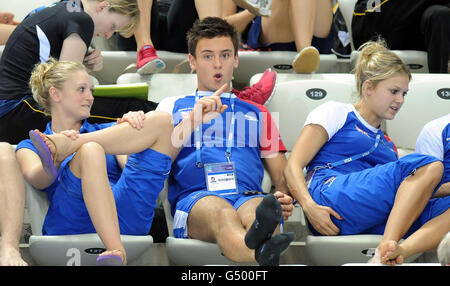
221	178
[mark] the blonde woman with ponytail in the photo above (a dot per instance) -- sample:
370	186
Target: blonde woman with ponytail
355	182
102	178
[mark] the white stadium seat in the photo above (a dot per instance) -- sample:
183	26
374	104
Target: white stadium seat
162	85
70	250
116	63
253	62
76	250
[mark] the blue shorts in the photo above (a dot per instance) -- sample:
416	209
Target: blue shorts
184	206
323	45
364	199
135	195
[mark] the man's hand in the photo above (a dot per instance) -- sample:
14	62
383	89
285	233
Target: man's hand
209	107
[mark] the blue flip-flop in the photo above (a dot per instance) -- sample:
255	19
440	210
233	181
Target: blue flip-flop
109	260
44	153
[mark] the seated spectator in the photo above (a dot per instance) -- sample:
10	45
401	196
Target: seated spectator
355	182
87	178
12	205
232	212
294	25
163	26
422	25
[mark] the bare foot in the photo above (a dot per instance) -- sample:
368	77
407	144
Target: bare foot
59	144
10	256
391	253
118	253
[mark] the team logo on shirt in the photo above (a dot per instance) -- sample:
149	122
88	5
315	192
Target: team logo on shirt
361	131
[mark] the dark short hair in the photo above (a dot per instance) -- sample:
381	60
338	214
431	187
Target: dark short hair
211	27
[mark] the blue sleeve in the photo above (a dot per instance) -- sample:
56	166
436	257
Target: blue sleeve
26	144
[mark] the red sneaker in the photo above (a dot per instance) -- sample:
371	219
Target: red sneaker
148	61
262	91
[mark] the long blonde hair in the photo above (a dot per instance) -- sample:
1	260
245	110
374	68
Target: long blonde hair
49	74
377	63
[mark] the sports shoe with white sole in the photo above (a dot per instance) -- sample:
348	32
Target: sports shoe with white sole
148	61
307	60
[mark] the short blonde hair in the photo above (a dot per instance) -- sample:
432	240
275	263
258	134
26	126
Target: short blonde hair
49	74
377	63
127	8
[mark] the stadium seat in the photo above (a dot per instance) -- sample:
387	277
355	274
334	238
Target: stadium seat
194	252
70	250
292	102
416	60
162	85
297	95
428	98
253	62
116	63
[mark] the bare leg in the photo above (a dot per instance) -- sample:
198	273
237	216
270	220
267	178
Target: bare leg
214	220
5	32
424	239
208	8
142	32
297	20
412	196
12	205
89	164
238	20
310	18
147	60
122	138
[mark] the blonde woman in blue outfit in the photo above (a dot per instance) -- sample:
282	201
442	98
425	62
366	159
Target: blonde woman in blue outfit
355	181
91	183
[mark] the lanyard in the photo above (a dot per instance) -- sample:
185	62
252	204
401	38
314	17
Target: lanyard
350	159
311	174
230	137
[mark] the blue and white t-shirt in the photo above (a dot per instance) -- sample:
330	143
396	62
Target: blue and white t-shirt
255	136
434	140
348	135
